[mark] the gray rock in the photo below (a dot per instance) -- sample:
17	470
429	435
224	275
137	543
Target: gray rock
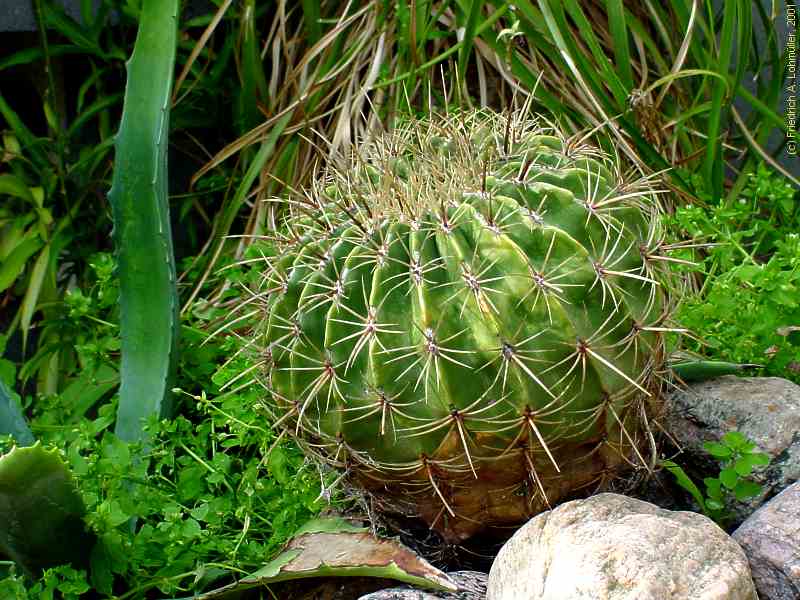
472	586
18	15
611	547
771	540
764	409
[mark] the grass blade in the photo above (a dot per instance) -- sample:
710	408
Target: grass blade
713	166
619	33
685	482
55	18
254	85
469	36
14	263
26	137
311	16
619	89
228	215
143	239
31	299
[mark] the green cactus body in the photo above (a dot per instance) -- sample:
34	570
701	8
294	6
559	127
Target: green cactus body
469	319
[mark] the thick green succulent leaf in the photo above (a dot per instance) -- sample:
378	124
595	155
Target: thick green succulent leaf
143	239
333	547
702	370
12	421
41	511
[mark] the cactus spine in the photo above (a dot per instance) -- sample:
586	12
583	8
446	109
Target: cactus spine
469	318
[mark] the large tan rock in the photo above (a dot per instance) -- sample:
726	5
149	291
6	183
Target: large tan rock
611	547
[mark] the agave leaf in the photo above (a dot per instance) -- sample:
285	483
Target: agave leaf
333	547
12	421
41	511
143	239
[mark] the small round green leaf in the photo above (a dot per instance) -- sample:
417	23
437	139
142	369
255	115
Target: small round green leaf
745	465
734	439
718	450
713	487
746	489
729	478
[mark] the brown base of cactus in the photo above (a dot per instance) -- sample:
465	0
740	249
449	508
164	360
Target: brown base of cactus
504	492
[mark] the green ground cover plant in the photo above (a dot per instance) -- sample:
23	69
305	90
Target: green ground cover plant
217	495
738	458
747	305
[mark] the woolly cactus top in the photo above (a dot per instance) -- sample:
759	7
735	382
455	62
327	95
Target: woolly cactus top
469	317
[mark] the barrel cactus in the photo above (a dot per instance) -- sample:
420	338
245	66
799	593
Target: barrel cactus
469	319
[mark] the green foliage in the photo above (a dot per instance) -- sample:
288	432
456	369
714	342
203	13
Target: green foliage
85	322
748	307
54	168
62	582
738	458
209	501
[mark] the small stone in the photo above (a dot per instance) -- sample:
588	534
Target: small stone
611	547
471	584
771	540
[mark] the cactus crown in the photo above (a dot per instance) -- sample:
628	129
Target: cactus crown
469	318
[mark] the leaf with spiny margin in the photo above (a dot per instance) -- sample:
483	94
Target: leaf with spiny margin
334	547
143	240
41	511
